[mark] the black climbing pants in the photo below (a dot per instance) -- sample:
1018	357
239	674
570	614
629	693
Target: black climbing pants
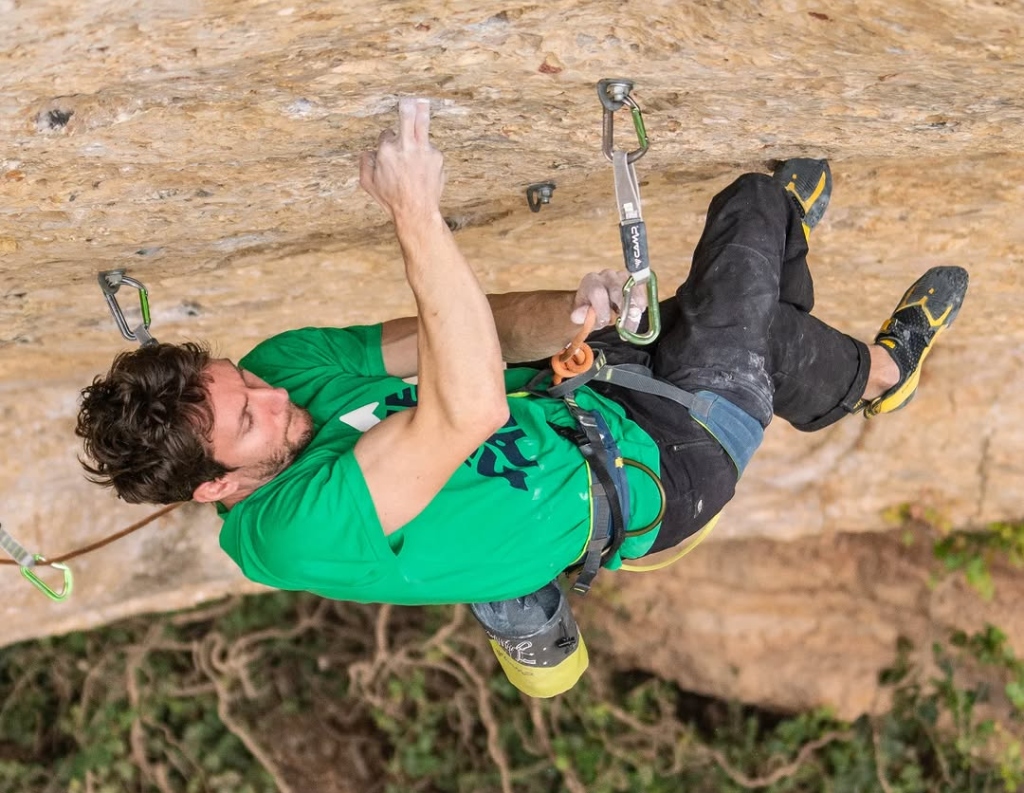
740	326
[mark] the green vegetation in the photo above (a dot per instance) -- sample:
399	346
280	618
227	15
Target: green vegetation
974	552
287	692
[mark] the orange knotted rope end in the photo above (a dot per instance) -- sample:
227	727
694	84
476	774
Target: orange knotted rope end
577	356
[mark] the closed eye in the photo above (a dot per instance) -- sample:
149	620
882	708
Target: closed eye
245	422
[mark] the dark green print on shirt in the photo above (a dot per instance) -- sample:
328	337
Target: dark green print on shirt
499	456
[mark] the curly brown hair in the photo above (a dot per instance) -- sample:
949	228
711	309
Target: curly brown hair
146	426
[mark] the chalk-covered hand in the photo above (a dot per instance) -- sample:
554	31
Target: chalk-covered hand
603	292
405	175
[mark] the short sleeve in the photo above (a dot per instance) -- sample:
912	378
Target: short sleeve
317	532
354	350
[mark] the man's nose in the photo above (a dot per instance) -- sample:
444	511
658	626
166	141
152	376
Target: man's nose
275	398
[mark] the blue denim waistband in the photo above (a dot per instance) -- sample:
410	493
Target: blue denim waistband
739	433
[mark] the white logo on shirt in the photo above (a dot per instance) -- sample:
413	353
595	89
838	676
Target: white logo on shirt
362	418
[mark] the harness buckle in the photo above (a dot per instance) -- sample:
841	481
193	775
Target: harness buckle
112	280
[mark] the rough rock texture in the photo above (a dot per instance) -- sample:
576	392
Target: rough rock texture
210	148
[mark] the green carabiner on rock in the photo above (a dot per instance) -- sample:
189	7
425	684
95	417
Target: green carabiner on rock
112	280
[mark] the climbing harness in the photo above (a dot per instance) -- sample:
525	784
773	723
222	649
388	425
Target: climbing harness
536	638
614	95
112	280
737	432
546	657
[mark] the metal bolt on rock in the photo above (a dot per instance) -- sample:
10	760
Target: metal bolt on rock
540	193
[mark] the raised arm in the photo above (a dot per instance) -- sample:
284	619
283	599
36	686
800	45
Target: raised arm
408	457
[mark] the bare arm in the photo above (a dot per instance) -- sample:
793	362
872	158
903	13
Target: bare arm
408	457
530	325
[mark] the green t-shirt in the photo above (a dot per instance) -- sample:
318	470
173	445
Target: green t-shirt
509	520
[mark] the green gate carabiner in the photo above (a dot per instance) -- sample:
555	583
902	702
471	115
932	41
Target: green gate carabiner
614	95
42	586
110	282
27	561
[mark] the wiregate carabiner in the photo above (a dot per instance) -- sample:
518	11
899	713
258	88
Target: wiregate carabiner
42	586
110	281
27	561
614	94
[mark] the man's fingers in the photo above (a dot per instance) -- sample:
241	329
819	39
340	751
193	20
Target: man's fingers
406	120
603	291
414	120
632	319
579	314
422	121
594	296
367	162
638	297
385	135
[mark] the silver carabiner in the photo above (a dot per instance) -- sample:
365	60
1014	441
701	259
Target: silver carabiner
633	236
614	95
112	280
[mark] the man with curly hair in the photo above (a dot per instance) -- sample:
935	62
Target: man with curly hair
335	473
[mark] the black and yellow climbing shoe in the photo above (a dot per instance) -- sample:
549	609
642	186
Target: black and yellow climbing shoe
809	184
927	309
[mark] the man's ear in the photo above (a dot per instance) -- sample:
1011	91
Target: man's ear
214	490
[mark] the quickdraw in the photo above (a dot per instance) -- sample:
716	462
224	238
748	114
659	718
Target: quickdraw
27	562
614	95
110	282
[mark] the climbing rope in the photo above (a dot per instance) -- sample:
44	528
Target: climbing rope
110	282
577	356
28	562
697	539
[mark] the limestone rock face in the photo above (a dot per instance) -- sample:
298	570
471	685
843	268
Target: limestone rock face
210	149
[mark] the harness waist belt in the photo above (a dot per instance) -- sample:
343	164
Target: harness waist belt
738	432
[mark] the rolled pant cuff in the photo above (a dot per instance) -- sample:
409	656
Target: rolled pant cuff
853	395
